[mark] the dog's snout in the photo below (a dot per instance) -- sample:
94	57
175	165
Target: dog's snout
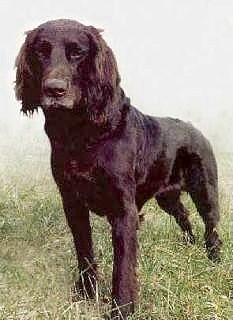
55	87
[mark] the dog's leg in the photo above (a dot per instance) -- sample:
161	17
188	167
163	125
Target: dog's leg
204	193
170	202
208	209
124	281
78	220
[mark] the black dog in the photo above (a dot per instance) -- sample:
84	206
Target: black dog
107	156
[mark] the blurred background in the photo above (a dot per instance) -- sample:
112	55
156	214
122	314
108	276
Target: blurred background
174	57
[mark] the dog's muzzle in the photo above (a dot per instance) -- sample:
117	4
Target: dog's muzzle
59	93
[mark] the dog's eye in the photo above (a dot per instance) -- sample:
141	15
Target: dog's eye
74	52
45	49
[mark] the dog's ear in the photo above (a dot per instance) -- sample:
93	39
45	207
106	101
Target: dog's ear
104	78
27	82
105	65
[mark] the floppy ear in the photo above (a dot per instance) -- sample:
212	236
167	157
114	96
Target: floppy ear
104	61
104	78
27	82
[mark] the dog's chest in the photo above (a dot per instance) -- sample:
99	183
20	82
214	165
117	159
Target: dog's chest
86	175
80	170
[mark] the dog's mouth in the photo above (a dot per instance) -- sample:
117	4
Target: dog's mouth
67	106
65	103
57	106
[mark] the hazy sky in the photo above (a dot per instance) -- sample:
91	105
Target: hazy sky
175	56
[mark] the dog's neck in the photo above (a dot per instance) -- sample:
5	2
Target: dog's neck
73	125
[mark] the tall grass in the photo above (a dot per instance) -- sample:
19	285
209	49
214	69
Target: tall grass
38	265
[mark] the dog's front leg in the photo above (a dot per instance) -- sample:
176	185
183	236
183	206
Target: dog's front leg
78	220
124	281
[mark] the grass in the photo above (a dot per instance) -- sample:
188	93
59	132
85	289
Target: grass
37	259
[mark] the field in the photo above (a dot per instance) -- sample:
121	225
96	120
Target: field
37	259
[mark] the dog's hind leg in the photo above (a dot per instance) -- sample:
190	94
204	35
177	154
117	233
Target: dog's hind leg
170	202
203	189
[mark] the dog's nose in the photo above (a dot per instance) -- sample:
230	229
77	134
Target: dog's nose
55	87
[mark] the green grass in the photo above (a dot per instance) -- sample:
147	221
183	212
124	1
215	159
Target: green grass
38	266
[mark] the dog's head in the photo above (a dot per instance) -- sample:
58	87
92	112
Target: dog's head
64	64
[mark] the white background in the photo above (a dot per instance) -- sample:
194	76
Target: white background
175	56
